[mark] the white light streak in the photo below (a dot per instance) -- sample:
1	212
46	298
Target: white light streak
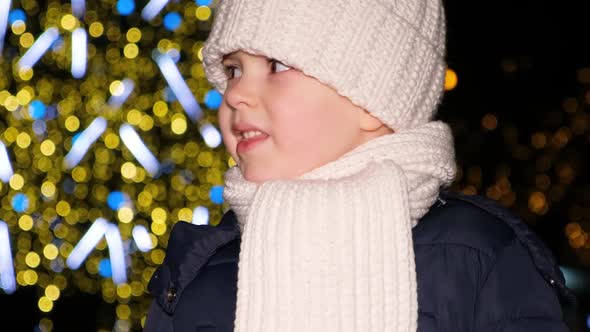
4	10
87	243
6	171
78	8
211	135
41	45
116	100
84	141
7	279
152	9
142	238
139	150
178	86
201	216
79	52
116	254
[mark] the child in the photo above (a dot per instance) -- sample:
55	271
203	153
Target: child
337	220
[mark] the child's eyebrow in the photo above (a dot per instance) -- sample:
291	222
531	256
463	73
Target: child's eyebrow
230	56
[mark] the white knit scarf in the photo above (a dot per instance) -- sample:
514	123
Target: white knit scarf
332	250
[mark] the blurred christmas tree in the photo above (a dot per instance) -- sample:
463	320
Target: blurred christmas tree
107	138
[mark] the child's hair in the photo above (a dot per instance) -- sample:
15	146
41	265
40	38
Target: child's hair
386	56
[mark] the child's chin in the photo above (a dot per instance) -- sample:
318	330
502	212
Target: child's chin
256	176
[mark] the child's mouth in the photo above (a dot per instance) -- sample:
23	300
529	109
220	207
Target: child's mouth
249	140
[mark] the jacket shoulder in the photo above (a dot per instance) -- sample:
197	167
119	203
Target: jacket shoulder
455	221
479	223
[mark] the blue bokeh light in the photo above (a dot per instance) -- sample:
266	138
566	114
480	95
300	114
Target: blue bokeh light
17	15
104	268
216	194
125	7
20	202
37	109
75	137
203	2
117	200
213	99
172	21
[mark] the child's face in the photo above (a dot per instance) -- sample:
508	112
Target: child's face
304	123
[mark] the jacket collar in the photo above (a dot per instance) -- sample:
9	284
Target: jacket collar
189	249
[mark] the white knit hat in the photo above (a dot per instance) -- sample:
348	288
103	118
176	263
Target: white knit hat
386	56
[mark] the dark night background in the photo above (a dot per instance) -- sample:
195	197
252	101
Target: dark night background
516	60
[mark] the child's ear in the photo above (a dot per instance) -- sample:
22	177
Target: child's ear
369	123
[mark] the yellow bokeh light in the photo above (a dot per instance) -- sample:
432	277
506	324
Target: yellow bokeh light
125	214
133	35
45	304
111	141
134	117
30	277
96	29
179	125
157	256
50	251
3	95
123	290
47	147
18	27
79	174
136	288
203	13
185	214
163	45
69	22
123	311
24	96
25	222
52	292
32	259
23	140
144	199
451	79
16	181
116	88
231	162
147	123
159	215
128	170
130	51
11	103
48	189
158	228
25	73
72	123
26	40
62	208
160	108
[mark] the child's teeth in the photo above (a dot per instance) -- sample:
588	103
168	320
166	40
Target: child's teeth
250	134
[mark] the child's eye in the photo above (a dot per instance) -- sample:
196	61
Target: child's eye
230	71
278	66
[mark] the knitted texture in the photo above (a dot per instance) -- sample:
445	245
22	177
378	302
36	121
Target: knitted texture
386	56
332	250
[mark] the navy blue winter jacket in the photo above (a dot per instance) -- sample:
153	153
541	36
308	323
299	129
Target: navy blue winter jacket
479	268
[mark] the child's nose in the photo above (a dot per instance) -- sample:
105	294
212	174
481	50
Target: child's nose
241	94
